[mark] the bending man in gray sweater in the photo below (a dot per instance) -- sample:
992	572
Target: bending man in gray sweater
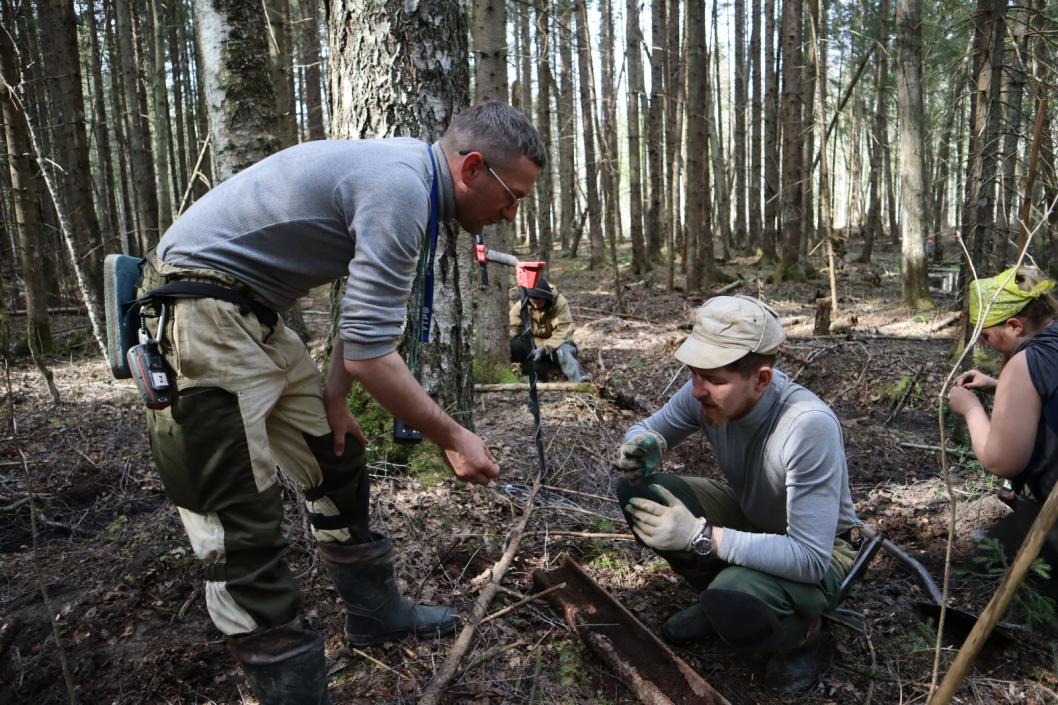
251	403
770	546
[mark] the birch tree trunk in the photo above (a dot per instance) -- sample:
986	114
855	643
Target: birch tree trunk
424	83
915	287
237	84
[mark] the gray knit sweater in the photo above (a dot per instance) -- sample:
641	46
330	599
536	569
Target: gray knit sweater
785	461
314	212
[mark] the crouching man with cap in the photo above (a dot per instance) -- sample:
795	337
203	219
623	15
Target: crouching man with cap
769	544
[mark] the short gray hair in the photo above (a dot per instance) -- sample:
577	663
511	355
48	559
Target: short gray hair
497	130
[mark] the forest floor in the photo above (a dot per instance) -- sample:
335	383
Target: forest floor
125	591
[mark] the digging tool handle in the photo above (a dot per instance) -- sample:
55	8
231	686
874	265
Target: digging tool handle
907	560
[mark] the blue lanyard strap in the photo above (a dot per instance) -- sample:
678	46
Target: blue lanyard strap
431	231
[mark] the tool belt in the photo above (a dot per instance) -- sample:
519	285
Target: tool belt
132	284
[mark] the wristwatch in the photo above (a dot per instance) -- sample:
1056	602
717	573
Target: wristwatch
702	543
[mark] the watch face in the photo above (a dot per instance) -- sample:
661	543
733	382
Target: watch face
702	545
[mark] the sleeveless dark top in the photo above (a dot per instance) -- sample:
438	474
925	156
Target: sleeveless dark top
1041	354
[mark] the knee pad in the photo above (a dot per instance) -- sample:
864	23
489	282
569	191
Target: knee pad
345	482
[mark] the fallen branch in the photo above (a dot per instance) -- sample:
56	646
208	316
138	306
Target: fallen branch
524	601
945	322
586	387
612	313
431	694
583	535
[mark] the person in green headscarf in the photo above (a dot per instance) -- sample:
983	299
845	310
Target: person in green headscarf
1018	317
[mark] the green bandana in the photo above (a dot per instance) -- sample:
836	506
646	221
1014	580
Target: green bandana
1010	300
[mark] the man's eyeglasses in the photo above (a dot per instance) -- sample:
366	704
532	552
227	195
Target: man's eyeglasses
516	199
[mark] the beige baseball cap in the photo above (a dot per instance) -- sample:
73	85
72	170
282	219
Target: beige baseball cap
726	328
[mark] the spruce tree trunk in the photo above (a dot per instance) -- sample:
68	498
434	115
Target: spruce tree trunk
176	16
110	230
792	152
567	130
634	62
770	226
127	219
544	183
423	84
160	110
873	226
24	172
696	218
280	43
1013	94
70	149
740	105
912	146
722	175
525	96
657	213
489	306
141	162
673	138
756	145
587	111
610	159
310	59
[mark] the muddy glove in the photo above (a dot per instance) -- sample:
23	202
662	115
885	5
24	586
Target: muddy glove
669	526
640	457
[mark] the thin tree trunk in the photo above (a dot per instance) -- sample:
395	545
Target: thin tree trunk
525	85
111	241
696	218
770	227
126	231
587	111
608	91
1013	92
673	137
756	146
544	184
24	172
310	59
792	152
740	104
873	226
141	163
160	110
634	62
657	213
567	129
722	175
176	56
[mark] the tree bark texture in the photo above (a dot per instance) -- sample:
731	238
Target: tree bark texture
281	55
873	226
310	59
792	152
544	83
160	112
740	106
587	111
770	226
567	130
915	287
237	83
657	213
634	60
696	218
425	82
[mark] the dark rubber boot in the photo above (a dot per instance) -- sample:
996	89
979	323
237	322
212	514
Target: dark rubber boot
566	357
285	665
375	611
687	625
797	670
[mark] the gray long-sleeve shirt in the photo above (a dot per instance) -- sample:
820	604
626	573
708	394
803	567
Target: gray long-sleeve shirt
785	461
313	212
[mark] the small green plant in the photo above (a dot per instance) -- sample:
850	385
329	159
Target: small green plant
602	526
571	671
1030	605
895	391
427	465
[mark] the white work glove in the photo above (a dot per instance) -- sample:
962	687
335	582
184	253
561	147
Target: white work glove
664	527
641	456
